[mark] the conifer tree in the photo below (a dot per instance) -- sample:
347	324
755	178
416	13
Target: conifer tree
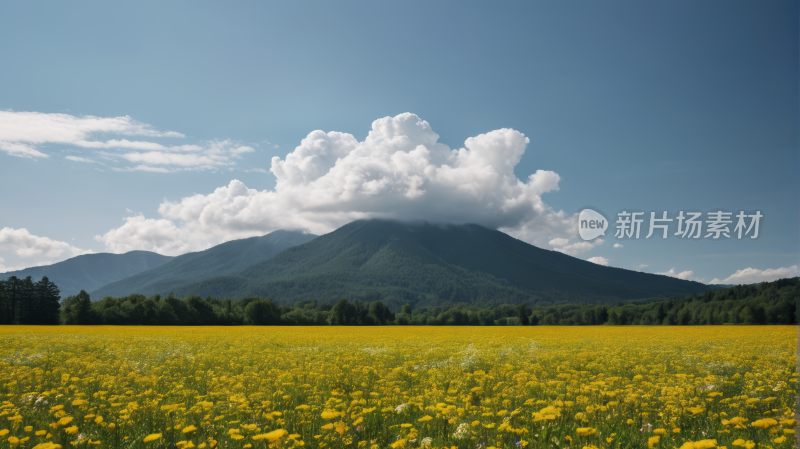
12	289
5	304
48	298
26	301
78	309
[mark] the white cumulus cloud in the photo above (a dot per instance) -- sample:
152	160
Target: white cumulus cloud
685	275
599	260
754	275
35	249
562	245
5	269
399	171
618	245
558	242
159	235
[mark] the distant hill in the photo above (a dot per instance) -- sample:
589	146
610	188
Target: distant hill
226	258
424	264
91	271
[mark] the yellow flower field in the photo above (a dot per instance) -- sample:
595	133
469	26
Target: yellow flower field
399	387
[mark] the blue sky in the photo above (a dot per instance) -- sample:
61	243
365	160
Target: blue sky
626	105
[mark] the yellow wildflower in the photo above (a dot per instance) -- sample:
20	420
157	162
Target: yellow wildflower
764	423
152	437
64	421
272	436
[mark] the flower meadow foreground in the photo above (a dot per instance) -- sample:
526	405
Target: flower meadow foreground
398	387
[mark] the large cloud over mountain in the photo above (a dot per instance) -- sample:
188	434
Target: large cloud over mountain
399	171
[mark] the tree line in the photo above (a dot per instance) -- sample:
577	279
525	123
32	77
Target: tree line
766	303
23	301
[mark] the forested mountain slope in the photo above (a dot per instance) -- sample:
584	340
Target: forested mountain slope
225	258
91	271
425	264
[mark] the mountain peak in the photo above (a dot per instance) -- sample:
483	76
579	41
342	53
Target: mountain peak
430	264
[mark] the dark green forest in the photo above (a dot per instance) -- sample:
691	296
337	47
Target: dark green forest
766	303
23	301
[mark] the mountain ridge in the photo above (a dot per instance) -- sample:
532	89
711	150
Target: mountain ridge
91	271
429	264
225	258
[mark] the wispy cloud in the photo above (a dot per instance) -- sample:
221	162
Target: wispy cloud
23	133
80	159
146	168
21	150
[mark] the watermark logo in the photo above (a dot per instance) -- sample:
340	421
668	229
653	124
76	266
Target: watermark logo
718	224
689	226
591	224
